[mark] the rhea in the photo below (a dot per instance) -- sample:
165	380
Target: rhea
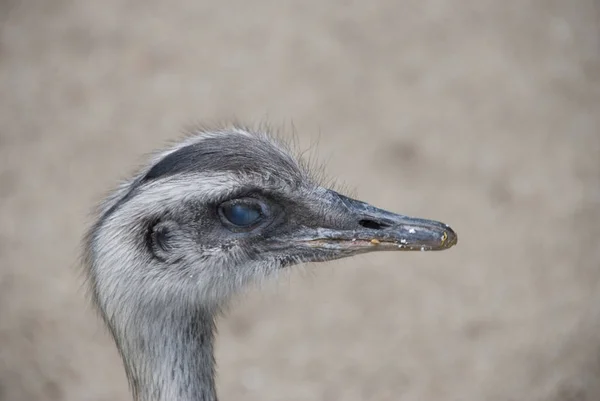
213	213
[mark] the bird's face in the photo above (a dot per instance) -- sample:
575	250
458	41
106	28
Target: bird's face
315	224
216	227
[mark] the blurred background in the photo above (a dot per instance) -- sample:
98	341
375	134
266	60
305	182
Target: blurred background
484	114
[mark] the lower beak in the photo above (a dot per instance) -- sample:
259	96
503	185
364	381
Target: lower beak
378	230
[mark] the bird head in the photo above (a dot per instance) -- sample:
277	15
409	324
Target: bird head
227	207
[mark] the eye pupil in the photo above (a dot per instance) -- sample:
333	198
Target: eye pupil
241	215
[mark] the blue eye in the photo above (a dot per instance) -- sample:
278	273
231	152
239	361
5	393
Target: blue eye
241	214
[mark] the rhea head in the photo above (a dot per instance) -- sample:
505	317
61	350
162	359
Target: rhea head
219	210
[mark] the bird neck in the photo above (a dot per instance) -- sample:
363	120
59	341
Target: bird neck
169	356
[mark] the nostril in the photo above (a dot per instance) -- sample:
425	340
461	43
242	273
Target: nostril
373	225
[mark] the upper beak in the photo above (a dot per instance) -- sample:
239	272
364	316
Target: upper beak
368	228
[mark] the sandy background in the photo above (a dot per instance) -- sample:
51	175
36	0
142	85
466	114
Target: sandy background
482	113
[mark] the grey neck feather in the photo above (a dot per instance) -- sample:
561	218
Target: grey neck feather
168	354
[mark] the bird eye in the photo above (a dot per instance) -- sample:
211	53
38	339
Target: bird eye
241	214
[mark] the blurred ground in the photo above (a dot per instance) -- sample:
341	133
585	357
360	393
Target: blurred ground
480	113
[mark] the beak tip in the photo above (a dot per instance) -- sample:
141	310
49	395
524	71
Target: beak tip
449	237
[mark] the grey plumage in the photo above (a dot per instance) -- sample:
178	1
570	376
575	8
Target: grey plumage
167	250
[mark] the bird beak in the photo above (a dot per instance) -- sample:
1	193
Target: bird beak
367	228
